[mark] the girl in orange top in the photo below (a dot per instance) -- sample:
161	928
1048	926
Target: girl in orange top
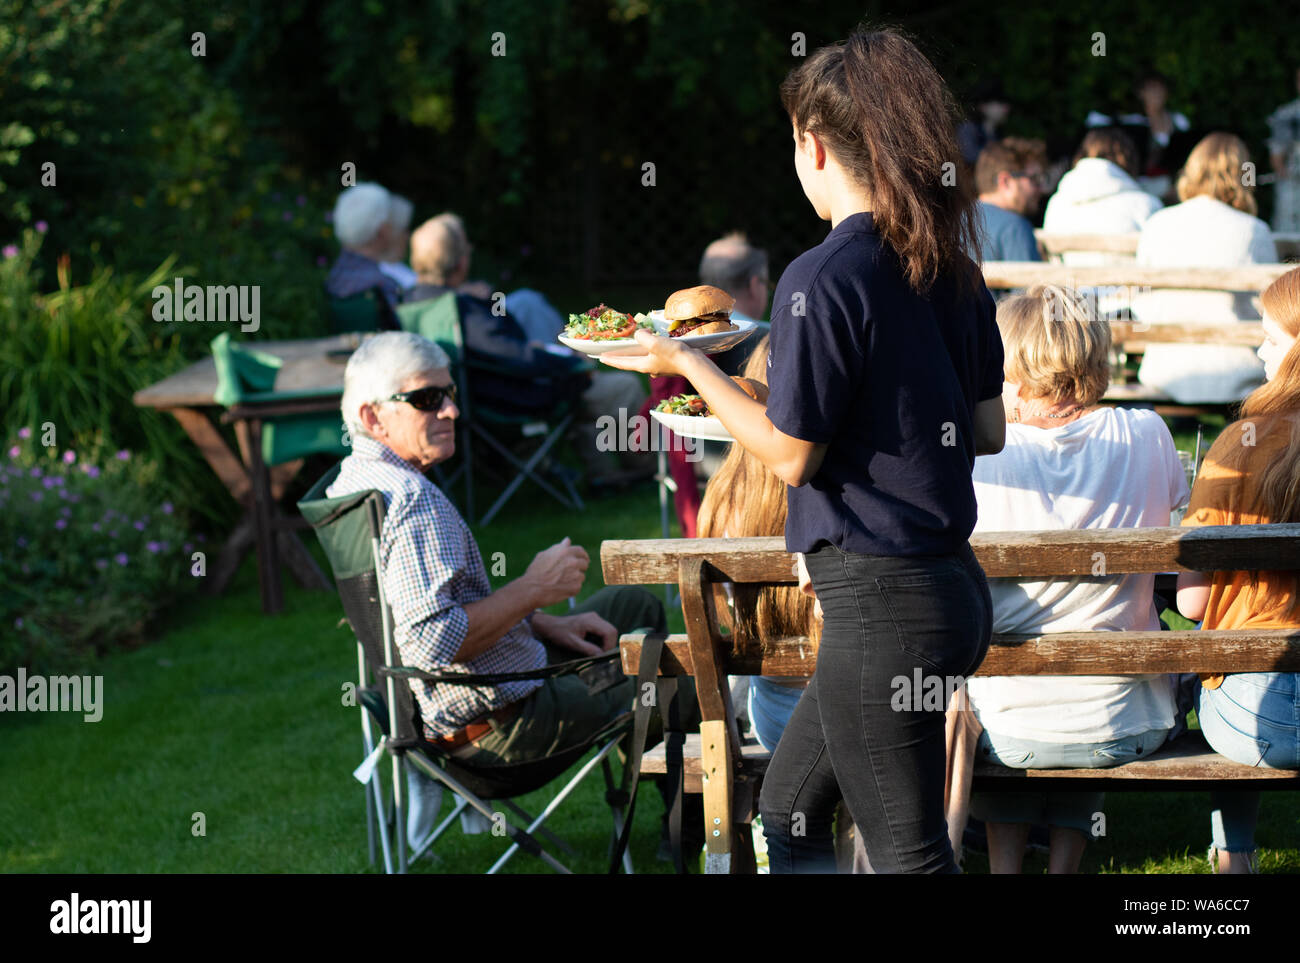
1250	478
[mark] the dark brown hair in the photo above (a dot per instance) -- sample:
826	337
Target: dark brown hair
883	111
1011	154
1112	144
744	498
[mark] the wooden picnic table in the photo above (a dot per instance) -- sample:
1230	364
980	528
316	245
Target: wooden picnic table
316	379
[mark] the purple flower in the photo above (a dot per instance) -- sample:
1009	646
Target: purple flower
101	563
21	542
65	512
35	472
61	524
302	200
92	470
123	455
69	457
166	508
10	250
50	482
321	261
18	623
187	546
113	533
120	558
286	216
41	227
139	524
74	498
153	547
15	451
201	537
24	432
95	527
37	496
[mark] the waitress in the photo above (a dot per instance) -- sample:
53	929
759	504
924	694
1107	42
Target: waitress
885	370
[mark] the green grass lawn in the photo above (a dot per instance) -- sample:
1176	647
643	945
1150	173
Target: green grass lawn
239	717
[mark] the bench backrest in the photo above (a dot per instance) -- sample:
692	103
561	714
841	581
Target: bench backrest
698	564
1054	244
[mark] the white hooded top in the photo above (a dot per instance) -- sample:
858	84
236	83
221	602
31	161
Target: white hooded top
1097	197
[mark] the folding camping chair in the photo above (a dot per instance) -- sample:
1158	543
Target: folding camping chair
438	319
273	428
366	311
349	528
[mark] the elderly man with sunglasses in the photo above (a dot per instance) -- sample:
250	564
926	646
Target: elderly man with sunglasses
399	403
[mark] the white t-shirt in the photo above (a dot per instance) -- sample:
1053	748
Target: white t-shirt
1112	468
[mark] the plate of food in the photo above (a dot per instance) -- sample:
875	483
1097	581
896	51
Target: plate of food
701	317
689	415
602	329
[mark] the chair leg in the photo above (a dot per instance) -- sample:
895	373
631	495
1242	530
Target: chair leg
526	470
554	804
541	830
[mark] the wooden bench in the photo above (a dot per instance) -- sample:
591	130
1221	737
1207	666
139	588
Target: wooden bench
729	773
1053	245
1131	338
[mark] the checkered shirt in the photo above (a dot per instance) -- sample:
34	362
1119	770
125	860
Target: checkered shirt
432	569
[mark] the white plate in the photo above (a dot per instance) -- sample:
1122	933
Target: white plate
593	348
711	343
693	426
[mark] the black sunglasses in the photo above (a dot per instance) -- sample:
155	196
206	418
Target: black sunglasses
427	399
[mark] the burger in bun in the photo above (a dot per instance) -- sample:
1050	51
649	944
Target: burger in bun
699	310
755	389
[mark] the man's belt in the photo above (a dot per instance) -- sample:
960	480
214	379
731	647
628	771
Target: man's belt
479	727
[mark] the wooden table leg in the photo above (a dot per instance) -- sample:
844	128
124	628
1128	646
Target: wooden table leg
224	462
249	432
241	539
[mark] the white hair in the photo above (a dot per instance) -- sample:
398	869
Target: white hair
378	369
359	213
400	211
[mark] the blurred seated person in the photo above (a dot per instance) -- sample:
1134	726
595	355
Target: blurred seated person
1068	463
1010	177
440	256
361	224
737	267
1214	227
399	223
745	499
1099	195
1163	137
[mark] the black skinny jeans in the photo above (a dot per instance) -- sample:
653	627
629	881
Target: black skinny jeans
862	731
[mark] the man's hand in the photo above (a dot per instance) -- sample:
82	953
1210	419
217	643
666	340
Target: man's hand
568	631
556	573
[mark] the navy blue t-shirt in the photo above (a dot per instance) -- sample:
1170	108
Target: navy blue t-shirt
888	380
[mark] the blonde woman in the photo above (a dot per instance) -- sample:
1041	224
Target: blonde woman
744	499
1069	462
1214	226
1249	478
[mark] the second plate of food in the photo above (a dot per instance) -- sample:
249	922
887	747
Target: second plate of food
707	427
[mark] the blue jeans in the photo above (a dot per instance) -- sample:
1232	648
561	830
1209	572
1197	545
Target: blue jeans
1072	810
862	731
1254	719
770	707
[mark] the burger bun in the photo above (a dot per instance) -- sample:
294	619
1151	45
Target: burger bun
697	302
755	389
